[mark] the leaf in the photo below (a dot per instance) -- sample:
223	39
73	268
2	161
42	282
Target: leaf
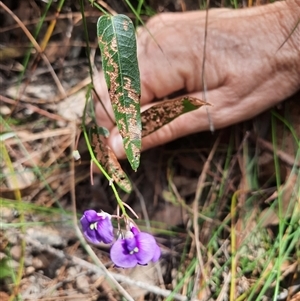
161	114
116	37
6	270
107	158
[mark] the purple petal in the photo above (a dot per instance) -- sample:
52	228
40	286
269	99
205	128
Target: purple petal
91	216
134	230
120	255
105	230
130	244
87	231
146	247
157	254
84	223
92	236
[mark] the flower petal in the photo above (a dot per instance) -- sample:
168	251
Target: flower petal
130	244
84	223
91	235
120	255
91	216
157	254
87	231
134	230
105	230
147	247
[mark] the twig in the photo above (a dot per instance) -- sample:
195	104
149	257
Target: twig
82	84
32	108
222	295
107	7
283	156
25	136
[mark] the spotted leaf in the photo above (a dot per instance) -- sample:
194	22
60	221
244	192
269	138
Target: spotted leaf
107	158
116	37
161	114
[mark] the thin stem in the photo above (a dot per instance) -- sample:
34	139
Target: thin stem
132	211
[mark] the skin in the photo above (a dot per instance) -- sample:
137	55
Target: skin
246	69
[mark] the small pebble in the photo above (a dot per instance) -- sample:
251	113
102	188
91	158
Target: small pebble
32	279
37	263
72	272
28	260
30	270
5	110
2	256
12	236
82	284
16	252
4	296
6	214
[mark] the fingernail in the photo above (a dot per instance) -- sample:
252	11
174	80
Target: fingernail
117	146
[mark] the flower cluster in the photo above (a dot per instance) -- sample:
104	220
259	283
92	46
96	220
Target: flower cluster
132	248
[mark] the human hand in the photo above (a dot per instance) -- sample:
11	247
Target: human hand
246	71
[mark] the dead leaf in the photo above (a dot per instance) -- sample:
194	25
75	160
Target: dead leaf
109	161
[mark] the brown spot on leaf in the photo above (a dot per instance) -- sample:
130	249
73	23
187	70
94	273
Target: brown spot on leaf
132	93
114	45
125	25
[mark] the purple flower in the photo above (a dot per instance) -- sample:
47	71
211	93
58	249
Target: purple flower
97	227
136	248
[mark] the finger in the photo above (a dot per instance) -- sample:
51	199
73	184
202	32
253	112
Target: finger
167	62
103	108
